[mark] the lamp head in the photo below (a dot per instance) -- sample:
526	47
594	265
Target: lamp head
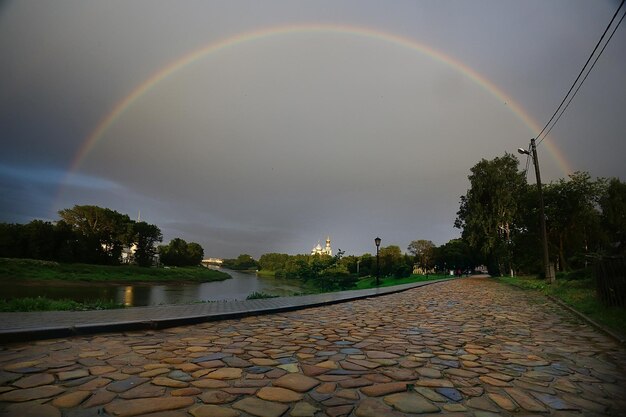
377	241
523	151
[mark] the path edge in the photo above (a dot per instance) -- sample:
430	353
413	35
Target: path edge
42	333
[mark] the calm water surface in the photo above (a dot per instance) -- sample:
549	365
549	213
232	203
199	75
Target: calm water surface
236	288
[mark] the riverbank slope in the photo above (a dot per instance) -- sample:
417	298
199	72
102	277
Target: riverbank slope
37	271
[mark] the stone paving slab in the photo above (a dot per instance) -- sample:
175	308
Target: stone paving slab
49	324
469	347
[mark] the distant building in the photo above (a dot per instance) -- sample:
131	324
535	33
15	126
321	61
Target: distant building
212	261
128	254
319	250
418	270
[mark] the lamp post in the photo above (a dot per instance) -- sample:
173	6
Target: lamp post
542	216
377	242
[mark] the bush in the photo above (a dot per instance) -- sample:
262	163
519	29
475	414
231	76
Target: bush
260	295
402	271
580	274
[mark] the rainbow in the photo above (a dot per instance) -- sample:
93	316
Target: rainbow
121	106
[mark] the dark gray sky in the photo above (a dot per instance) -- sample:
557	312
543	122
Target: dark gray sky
274	142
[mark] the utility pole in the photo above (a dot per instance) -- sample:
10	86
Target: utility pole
542	217
377	242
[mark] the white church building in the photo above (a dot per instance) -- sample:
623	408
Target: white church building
319	250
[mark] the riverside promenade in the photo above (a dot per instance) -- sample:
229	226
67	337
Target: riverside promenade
465	347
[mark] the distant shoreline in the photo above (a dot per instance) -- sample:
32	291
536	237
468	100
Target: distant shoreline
35	272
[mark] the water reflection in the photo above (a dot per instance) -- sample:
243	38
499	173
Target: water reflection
128	295
237	288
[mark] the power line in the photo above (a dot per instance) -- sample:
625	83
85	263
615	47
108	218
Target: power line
586	75
583	70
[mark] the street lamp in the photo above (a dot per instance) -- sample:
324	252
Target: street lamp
542	217
377	242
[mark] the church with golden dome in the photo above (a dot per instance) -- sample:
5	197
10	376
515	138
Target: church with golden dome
319	250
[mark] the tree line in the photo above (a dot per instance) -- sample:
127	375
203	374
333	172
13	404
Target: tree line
95	235
392	262
499	222
499	218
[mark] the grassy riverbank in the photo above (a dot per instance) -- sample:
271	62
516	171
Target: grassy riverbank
34	270
46	304
364	282
580	294
370	282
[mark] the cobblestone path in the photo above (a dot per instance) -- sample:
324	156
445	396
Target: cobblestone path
470	347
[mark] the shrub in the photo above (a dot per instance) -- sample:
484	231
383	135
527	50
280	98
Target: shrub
259	295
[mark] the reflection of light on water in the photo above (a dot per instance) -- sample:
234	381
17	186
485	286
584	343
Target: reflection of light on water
128	296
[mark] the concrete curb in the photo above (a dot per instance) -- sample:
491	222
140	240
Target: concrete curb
52	332
620	339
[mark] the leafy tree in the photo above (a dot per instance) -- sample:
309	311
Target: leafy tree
390	259
273	261
423	252
350	262
295	266
144	236
488	212
195	253
367	266
243	261
102	230
613	204
332	274
336	277
572	218
402	271
68	243
456	254
39	240
11	240
181	253
527	246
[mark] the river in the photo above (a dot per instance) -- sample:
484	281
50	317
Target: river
236	288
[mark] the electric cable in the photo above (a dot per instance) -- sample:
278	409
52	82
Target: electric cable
583	80
583	69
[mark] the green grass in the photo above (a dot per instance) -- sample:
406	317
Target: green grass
29	269
370	282
260	295
47	304
578	294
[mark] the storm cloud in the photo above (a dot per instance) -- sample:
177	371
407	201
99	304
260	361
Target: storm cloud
273	143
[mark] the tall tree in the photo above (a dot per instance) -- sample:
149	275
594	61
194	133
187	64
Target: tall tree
103	230
144	236
456	254
613	204
195	253
390	259
242	262
273	261
573	220
423	252
488	211
180	253
11	237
